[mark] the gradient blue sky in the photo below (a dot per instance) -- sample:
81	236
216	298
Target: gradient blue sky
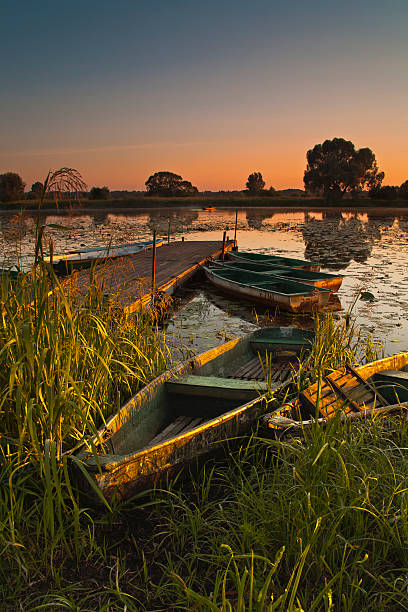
211	90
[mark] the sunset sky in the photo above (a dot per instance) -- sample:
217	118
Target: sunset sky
211	90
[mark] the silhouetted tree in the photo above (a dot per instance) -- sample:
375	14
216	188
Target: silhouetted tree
336	167
99	193
11	187
170	185
388	192
255	183
272	192
37	187
403	191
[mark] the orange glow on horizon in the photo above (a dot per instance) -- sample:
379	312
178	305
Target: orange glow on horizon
209	167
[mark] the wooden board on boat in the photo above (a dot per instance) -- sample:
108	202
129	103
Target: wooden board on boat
350	391
186	412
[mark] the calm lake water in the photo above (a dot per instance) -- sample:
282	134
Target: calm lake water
369	248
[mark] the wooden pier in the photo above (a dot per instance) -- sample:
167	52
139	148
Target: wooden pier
127	281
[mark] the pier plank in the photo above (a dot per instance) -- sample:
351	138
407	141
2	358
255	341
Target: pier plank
127	280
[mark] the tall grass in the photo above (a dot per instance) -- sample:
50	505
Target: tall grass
67	361
288	526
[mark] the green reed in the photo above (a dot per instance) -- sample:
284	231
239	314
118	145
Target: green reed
67	361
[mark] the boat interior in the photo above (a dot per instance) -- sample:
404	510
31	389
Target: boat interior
220	382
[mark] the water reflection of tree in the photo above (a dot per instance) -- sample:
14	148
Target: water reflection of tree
255	218
179	219
403	223
335	241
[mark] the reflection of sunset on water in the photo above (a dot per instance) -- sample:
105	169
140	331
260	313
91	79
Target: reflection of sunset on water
369	248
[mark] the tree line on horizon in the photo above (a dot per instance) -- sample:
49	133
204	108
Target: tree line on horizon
335	168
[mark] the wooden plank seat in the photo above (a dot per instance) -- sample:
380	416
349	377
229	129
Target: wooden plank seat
255	370
214	386
346	391
281	342
178	427
341	390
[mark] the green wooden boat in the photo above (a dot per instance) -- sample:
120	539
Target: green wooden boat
274	292
189	411
273	259
317	279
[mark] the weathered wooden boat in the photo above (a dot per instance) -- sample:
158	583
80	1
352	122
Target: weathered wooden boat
273	259
317	279
276	292
189	411
124	248
83	258
379	387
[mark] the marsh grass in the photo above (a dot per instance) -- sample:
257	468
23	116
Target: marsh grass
65	365
289	526
314	525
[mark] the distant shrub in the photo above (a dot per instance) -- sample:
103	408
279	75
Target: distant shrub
99	193
388	192
403	191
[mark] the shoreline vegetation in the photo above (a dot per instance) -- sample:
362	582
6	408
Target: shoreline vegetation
143	203
269	525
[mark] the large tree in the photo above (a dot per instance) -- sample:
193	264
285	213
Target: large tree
37	188
255	183
170	185
11	187
336	167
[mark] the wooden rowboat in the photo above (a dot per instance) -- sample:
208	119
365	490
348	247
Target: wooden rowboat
83	258
379	387
317	279
188	411
273	259
274	291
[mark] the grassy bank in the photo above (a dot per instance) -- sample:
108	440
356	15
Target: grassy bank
320	525
201	202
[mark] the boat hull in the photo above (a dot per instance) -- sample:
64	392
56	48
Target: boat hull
300	303
316	279
122	479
